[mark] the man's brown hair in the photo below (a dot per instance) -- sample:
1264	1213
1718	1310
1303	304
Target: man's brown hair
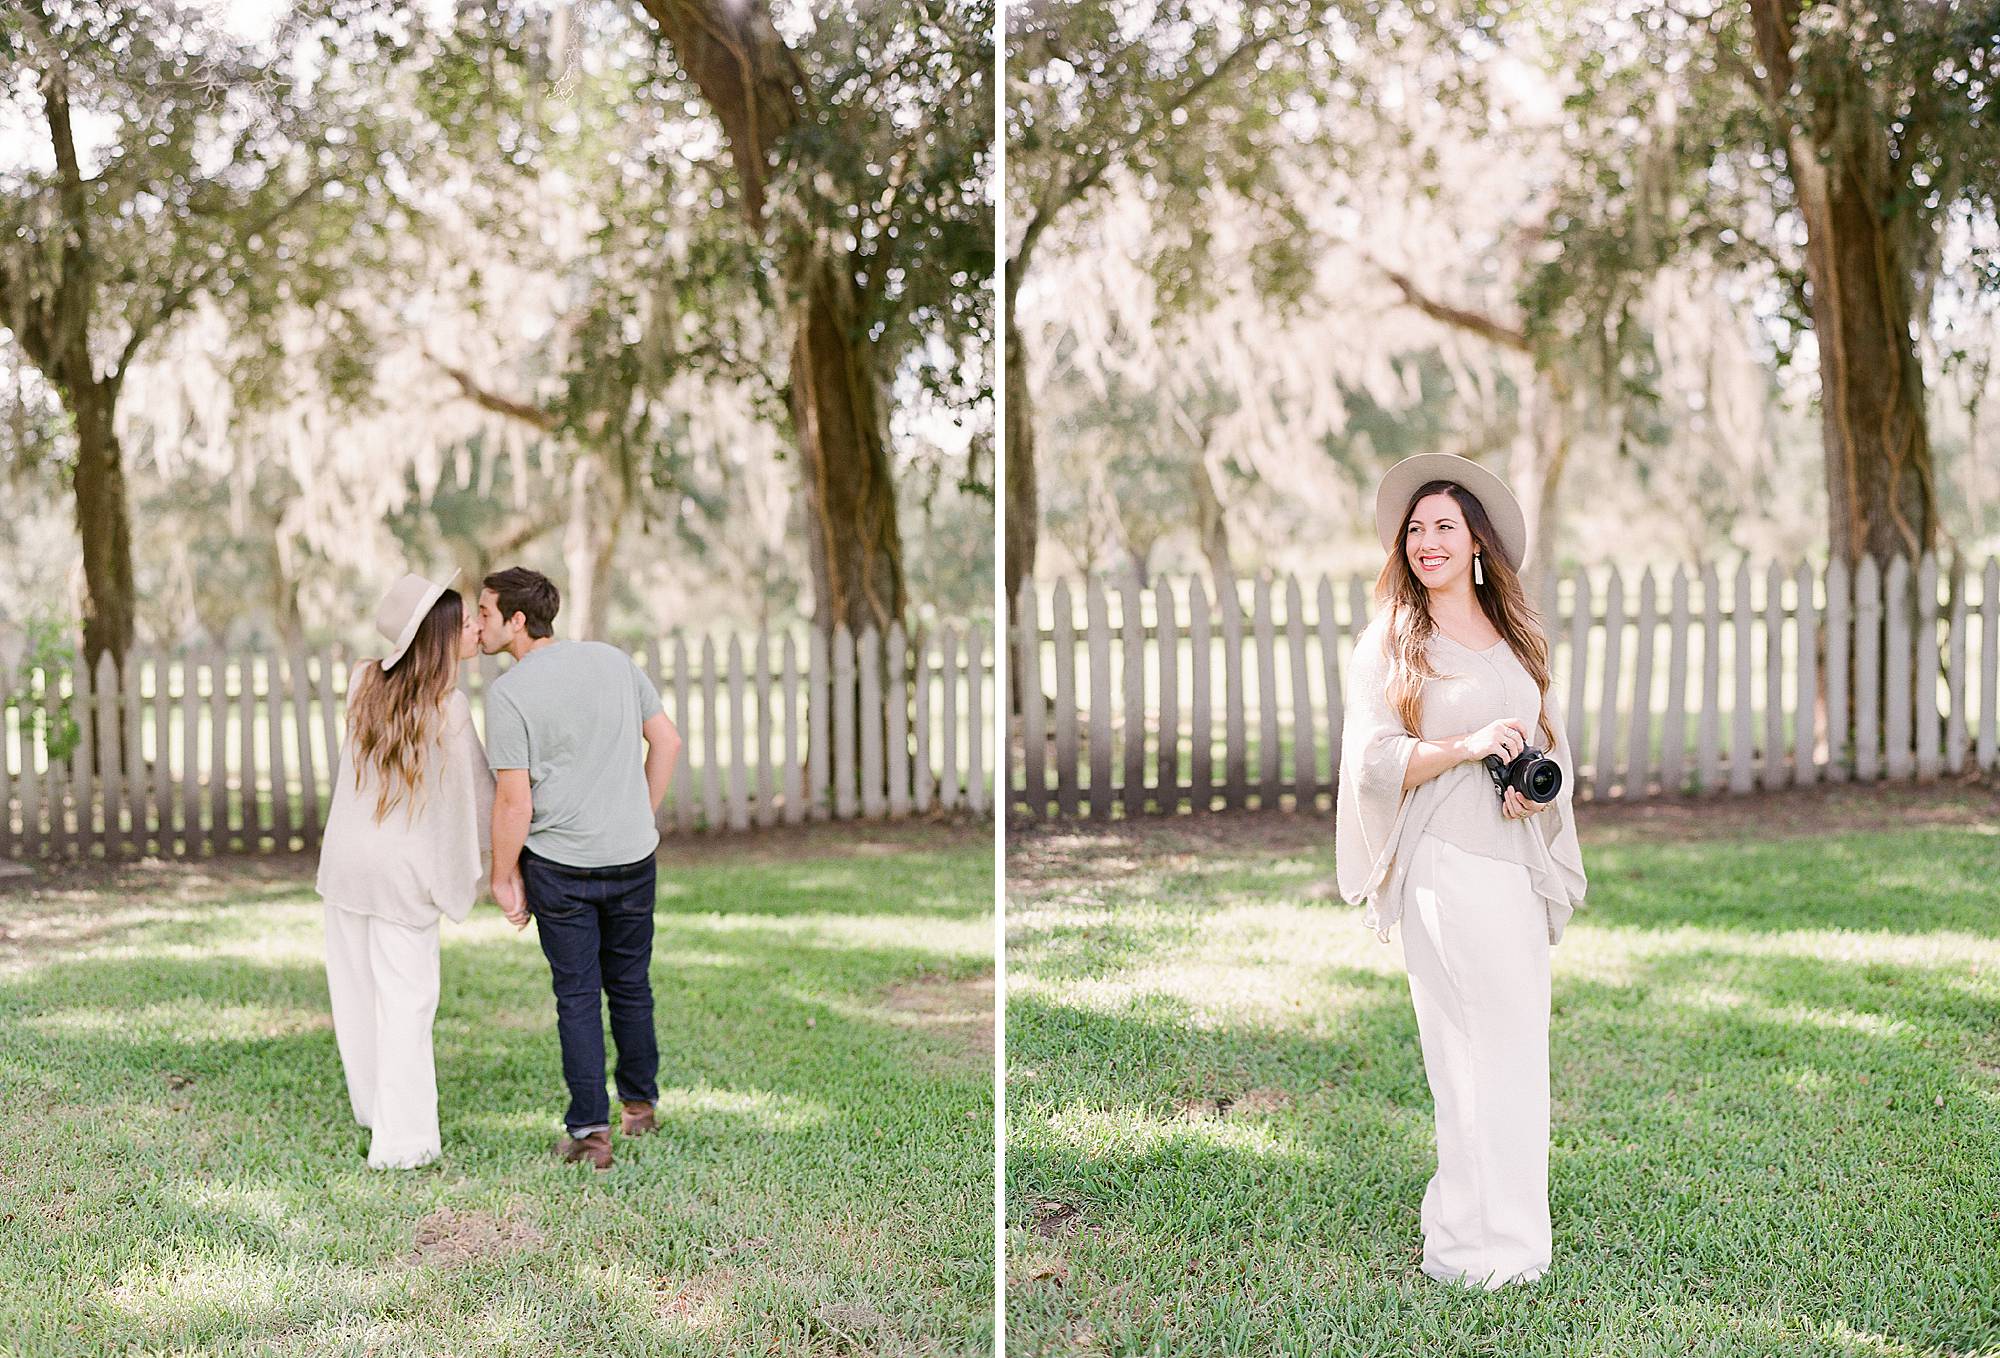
529	593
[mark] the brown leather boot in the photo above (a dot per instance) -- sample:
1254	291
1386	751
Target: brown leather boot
637	1119
594	1148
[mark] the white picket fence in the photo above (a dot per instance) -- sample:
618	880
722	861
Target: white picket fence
217	753
1137	700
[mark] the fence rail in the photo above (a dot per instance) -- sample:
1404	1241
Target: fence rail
188	755
1139	699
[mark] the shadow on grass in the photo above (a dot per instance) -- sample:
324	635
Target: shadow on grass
1750	1157
907	885
1089	950
808	1138
1904	882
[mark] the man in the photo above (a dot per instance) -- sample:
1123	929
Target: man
574	839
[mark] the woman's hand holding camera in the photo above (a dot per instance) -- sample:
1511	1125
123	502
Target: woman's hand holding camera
1516	807
1505	737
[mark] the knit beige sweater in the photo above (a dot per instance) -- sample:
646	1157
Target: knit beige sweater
1377	823
422	860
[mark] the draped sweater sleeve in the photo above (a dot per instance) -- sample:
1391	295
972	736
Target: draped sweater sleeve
1371	809
1377	823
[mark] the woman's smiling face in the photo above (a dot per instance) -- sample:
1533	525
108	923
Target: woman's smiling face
1437	542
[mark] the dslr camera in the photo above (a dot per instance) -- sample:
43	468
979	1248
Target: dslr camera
1531	773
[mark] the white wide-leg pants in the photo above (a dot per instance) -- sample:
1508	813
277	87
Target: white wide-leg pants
1476	943
383	980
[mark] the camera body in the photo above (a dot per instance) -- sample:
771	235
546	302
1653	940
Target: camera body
1531	773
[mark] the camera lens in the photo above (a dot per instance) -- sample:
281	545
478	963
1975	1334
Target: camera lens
1544	780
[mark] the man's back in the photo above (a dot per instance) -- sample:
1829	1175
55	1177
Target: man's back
570	713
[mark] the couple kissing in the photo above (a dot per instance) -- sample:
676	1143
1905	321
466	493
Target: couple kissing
556	811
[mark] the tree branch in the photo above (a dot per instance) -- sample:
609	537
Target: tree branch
178	297
1772	25
1108	156
22	314
523	532
1463	318
746	73
68	337
487	399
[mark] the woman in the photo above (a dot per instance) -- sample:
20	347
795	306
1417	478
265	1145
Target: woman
406	842
1454	668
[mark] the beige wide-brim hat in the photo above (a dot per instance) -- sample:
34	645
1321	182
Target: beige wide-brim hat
1400	482
402	611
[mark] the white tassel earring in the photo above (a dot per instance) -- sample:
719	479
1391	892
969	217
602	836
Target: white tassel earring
1478	576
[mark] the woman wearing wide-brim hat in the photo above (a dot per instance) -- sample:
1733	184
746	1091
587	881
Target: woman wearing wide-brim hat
406	843
1454	668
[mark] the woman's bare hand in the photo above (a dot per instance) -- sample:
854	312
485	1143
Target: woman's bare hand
1516	807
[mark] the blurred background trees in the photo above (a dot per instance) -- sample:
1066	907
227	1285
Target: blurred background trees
1617	250
295	297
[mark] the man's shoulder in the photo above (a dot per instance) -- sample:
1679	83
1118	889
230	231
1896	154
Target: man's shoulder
561	667
502	682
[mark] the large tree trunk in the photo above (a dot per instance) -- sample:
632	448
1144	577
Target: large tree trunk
1023	521
1880	490
103	525
1023	506
757	88
1860	240
54	325
856	545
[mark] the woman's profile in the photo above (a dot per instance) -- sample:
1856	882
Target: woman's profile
1447	822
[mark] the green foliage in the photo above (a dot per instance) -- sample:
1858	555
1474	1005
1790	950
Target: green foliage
894	160
50	649
256	175
1189	101
33	425
1374	434
579	153
1680	149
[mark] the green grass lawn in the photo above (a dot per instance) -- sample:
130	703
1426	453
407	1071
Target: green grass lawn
179	1171
1776	1106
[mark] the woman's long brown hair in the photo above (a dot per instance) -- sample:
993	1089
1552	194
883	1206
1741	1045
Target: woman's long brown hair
394	720
1502	599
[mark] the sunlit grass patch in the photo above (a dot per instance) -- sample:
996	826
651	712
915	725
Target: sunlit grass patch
1776	1103
183	1174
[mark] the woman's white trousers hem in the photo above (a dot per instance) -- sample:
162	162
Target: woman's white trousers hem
1476	945
383	980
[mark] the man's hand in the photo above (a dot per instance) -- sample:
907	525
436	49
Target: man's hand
512	894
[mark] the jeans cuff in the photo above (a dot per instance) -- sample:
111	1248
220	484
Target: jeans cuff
579	1133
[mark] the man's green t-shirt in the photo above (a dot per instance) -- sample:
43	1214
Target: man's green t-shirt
570	713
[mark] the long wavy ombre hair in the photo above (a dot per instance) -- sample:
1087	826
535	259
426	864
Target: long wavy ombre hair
1502	598
395	719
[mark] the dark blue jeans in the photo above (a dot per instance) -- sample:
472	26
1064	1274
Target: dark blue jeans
596	927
